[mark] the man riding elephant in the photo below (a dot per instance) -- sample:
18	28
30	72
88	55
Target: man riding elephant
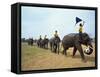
73	40
56	34
39	41
44	42
55	43
80	31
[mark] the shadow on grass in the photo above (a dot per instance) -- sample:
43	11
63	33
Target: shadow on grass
88	58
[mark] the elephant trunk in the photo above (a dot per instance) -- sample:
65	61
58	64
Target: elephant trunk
90	48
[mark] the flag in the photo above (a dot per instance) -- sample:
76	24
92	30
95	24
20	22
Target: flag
78	20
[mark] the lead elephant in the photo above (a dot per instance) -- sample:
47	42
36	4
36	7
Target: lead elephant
73	40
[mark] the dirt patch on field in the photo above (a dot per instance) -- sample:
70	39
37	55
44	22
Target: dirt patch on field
34	58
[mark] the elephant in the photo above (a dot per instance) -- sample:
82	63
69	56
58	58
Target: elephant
44	43
73	40
39	42
54	44
30	41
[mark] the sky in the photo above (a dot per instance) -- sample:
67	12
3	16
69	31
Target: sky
36	21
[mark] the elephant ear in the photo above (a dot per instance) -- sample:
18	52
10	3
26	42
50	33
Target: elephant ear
86	37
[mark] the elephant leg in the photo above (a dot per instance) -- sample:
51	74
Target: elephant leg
55	49
74	51
58	48
64	51
47	46
44	46
79	47
51	46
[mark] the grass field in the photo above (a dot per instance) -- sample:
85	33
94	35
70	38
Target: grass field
34	58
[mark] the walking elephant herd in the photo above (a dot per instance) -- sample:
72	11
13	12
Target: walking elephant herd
70	40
